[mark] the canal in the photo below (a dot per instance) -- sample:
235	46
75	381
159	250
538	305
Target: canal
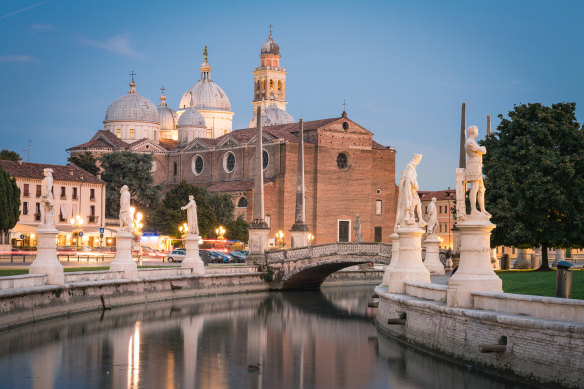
305	339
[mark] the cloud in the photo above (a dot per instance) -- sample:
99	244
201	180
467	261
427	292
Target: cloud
23	9
118	44
16	58
42	27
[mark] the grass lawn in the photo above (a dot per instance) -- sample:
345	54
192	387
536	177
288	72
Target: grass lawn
539	283
17	272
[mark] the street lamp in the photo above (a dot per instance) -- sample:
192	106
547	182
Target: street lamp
280	237
310	238
76	222
220	231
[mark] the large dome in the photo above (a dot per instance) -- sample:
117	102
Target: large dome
132	107
270	47
168	117
206	95
191	118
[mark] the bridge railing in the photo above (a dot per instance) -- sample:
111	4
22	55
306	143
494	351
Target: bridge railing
328	249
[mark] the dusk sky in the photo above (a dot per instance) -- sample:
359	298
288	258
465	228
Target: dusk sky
403	67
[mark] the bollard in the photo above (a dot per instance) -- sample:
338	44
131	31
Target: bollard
505	262
564	279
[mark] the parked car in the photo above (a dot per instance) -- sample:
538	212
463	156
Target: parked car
239	255
176	255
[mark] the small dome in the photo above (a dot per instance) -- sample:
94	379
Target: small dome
132	107
273	116
167	116
270	47
191	118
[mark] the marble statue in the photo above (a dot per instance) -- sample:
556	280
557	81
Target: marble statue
474	172
408	203
191	209
125	217
432	217
358	232
47	201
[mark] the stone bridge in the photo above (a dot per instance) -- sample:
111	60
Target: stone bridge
307	267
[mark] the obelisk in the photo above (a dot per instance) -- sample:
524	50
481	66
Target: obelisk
258	229
299	230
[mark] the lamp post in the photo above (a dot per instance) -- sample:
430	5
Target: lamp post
76	222
220	231
310	238
280	238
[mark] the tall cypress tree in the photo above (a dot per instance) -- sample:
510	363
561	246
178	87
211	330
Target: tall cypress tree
9	202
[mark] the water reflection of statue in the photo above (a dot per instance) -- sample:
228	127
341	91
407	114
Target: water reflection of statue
358	232
47	201
125	217
432	217
191	209
474	171
408	200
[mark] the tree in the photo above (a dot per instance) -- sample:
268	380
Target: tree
132	169
9	202
534	170
238	229
9	155
168	216
85	161
222	207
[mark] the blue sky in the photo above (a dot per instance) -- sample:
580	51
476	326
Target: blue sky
403	67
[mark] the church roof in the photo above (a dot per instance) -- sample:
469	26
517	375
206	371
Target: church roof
133	107
102	140
449	194
270	46
68	172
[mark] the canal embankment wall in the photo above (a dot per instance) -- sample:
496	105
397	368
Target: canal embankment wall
540	339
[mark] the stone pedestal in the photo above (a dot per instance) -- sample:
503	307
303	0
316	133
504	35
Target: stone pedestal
46	260
409	265
432	262
523	261
258	244
299	235
192	258
394	258
475	273
123	260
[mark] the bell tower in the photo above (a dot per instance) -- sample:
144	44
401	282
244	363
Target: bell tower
269	79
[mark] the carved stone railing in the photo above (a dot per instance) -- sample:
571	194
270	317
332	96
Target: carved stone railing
330	249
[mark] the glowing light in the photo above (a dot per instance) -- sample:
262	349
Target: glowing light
220	231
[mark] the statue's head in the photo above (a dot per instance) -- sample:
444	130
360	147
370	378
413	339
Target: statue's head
191	197
433	199
124	189
48	172
417	158
473	131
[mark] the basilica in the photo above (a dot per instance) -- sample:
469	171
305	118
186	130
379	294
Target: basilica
346	171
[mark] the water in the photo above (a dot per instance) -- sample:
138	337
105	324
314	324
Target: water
315	339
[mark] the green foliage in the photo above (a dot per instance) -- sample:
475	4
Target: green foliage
238	229
9	155
85	161
168	216
539	283
222	207
534	170
9	202
132	169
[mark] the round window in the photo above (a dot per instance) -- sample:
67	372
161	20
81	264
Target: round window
265	160
345	126
197	165
342	161
229	162
378	191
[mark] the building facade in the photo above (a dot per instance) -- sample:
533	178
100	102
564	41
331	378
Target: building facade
77	194
444	206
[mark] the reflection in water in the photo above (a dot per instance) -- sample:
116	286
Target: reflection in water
302	339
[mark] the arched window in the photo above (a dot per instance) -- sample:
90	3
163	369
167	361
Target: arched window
265	159
279	84
264	84
271	84
242	203
342	162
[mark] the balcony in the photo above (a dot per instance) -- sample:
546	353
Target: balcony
92	219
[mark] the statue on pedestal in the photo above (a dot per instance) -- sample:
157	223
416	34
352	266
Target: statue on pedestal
47	201
125	217
432	218
191	209
408	200
358	232
474	172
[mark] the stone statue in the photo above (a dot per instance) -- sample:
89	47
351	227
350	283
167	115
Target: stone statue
205	53
408	200
474	172
432	218
191	209
357	228
47	201
125	217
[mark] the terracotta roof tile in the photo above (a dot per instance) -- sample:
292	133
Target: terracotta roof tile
60	172
168	144
449	194
231	186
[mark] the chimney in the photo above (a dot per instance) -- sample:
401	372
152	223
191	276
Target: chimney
20	160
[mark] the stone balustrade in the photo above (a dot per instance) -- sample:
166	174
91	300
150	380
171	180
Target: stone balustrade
330	249
85	276
22	281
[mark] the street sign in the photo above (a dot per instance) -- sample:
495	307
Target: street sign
101	230
21	236
80	233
